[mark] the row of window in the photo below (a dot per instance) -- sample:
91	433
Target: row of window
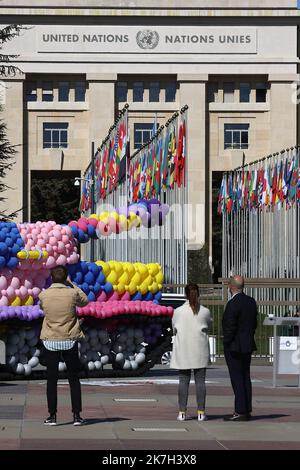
55	135
64	88
157	91
244	92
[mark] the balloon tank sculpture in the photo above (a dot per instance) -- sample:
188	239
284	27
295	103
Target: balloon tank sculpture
125	326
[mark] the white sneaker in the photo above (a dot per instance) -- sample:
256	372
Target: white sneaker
181	416
202	417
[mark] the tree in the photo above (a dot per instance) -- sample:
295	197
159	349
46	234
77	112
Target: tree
7	151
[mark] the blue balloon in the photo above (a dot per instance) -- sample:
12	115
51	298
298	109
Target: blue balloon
85	288
84	267
156	302
97	288
94	268
107	287
85	238
137	296
9	242
78	278
148	296
158	295
2	236
20	242
15	249
91	288
74	231
89	278
12	262
101	278
3	248
2	261
91	297
91	230
73	268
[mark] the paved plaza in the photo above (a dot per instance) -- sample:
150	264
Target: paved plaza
140	413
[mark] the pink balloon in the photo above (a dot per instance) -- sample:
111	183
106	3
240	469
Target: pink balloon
82	225
50	263
61	260
3	282
93	222
10	292
23	292
15	283
57	234
60	247
52	241
125	296
65	239
3	301
35	292
102	297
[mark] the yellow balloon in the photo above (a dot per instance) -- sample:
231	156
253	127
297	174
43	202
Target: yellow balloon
22	255
132	288
160	286
136	278
118	268
93	216
112	277
159	277
124	278
143	288
16	302
153	268
105	267
29	300
120	288
123	222
130	269
114	215
153	288
143	271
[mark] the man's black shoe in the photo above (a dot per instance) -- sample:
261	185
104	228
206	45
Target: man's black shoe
78	420
51	420
236	417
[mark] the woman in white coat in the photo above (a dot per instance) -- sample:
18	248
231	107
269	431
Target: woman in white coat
191	349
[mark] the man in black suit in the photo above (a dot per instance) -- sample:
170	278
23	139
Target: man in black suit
239	325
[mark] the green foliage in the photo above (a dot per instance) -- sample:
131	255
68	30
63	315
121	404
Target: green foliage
54	199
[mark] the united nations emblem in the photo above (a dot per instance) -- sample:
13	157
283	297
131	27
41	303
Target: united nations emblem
147	39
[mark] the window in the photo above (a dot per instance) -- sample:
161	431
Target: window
138	91
47	91
121	91
31	91
228	92
63	91
236	136
80	90
170	92
55	135
213	92
154	90
245	92
143	132
261	93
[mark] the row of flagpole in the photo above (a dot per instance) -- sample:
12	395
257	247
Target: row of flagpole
263	240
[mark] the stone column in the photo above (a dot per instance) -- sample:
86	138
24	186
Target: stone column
193	93
17	178
101	97
283	111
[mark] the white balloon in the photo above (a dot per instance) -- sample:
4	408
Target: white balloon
134	365
119	357
141	349
104	359
91	365
27	369
33	341
93	333
35	352
21	343
12	361
34	361
94	340
13	339
29	334
98	365
20	368
21	334
127	365
23	359
83	359
140	358
118	348
61	366
105	349
25	349
11	349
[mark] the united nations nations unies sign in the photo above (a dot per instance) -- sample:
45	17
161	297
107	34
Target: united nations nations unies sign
134	39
